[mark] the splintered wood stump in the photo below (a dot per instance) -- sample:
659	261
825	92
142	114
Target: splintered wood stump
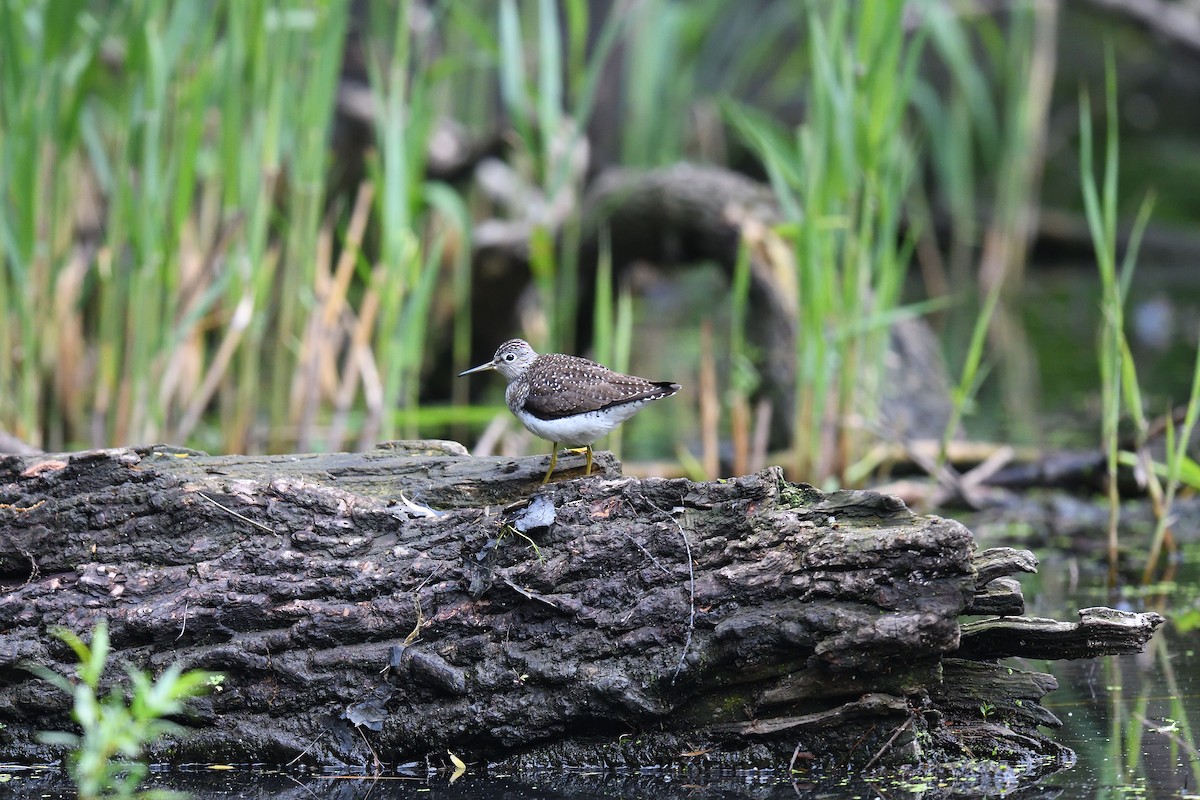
403	602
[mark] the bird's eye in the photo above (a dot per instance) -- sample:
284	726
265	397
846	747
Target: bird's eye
509	357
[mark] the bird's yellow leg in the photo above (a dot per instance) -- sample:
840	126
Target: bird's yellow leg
587	448
553	461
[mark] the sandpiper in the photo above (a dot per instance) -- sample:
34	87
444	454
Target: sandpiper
568	400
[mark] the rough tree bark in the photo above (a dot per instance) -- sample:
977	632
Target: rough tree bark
411	600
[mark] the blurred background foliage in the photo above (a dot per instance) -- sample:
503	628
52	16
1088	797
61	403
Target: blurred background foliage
270	226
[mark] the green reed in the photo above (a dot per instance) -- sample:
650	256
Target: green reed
1119	389
612	330
986	136
658	111
169	253
549	101
1121	393
743	377
133	157
1180	470
1179	724
841	179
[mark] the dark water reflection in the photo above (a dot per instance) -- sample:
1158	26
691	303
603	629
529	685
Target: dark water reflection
252	786
1130	720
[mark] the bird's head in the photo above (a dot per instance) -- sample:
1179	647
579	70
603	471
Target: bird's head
511	359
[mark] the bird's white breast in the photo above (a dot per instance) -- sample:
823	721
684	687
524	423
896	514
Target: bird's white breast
579	429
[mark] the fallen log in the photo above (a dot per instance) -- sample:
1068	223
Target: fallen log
398	603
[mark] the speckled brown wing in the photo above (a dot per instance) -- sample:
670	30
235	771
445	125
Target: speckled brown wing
562	385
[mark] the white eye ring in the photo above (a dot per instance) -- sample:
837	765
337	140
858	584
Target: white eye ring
509	356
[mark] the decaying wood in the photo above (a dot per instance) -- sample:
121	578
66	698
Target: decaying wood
979	475
411	600
1001	597
1100	631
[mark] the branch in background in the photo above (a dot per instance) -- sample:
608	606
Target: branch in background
11	444
1177	22
453	152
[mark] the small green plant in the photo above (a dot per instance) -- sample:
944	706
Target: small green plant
106	760
507	529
